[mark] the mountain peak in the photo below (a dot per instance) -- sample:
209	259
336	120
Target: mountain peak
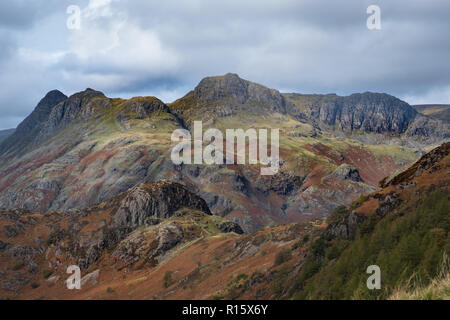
87	93
29	127
51	99
228	86
231	89
54	95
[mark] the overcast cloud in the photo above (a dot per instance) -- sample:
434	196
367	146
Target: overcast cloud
164	48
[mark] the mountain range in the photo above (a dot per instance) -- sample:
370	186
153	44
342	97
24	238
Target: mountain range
73	152
88	180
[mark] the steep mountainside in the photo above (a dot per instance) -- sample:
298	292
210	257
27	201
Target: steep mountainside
436	111
159	241
72	152
369	112
6	133
403	229
26	132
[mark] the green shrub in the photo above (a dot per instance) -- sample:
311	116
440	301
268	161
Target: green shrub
301	242
46	273
167	279
282	256
337	215
408	247
382	182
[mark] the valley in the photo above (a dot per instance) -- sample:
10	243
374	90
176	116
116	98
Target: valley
88	180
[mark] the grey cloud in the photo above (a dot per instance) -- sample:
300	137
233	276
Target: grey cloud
23	14
7	47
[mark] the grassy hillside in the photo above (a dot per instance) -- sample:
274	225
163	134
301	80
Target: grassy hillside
437	289
409	245
403	229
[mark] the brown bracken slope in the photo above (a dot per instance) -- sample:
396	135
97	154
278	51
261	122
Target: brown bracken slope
159	241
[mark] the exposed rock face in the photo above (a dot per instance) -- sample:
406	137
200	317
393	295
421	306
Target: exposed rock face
156	200
169	214
230	226
91	278
214	89
346	227
128	211
282	183
362	112
436	111
232	88
168	237
344	222
387	203
428	129
3	245
54	112
347	172
76	108
369	112
41	112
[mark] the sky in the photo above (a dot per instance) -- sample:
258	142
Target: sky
164	48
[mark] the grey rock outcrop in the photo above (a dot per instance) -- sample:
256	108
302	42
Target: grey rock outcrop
168	237
141	108
90	279
345	227
369	112
231	88
347	172
76	108
156	200
139	206
230	226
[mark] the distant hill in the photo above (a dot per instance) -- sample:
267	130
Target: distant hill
436	111
6	133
